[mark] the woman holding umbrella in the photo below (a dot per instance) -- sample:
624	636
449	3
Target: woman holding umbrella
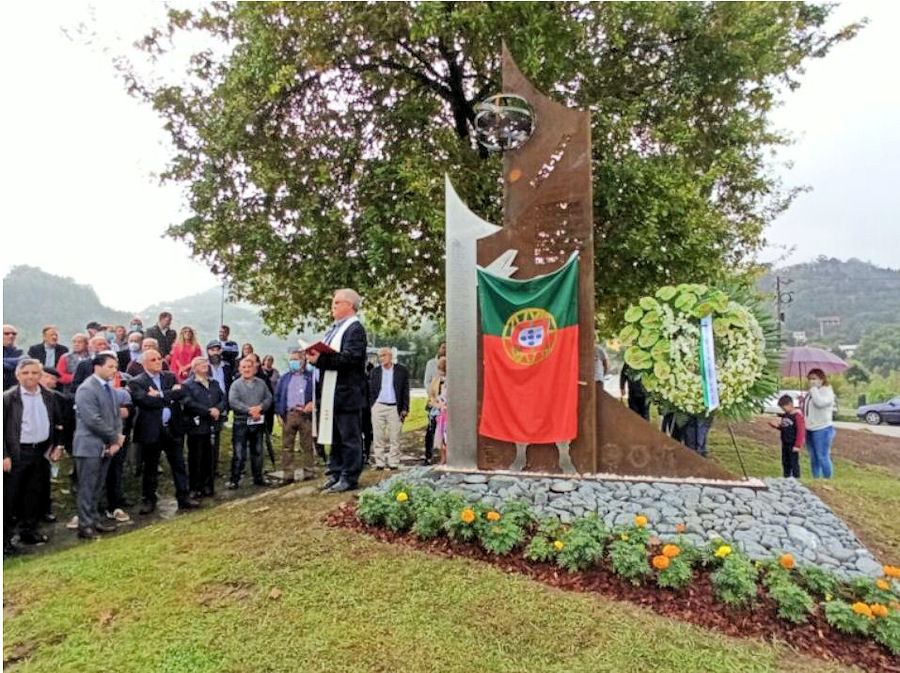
818	409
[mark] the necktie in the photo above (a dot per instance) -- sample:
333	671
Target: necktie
330	334
109	392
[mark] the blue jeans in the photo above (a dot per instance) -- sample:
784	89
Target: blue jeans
818	443
247	439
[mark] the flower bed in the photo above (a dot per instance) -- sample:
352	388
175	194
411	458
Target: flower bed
857	622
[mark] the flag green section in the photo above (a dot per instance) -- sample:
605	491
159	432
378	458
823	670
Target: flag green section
556	293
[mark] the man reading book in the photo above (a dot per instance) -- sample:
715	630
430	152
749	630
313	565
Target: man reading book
341	392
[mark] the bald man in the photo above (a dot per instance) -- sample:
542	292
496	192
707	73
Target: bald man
341	392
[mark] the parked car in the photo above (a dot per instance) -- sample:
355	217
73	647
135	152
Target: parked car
883	412
770	406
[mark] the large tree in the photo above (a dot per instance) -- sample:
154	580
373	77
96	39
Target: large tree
312	138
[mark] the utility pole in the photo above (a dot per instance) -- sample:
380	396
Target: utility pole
782	299
222	306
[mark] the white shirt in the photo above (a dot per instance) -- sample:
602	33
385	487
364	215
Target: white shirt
387	395
35	419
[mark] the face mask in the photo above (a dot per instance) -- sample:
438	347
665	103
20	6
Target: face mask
214	359
134	346
110	337
309	367
294	365
815	383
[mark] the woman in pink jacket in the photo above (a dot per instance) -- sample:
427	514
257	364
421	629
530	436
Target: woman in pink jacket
185	349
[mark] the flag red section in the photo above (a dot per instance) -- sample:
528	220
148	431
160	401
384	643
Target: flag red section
536	404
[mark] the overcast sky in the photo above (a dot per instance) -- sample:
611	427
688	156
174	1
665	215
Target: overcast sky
79	155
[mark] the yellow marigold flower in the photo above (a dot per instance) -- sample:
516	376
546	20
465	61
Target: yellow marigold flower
723	551
828	597
623	536
558	545
671	550
402	497
492	516
862	609
879	610
884	585
467	515
640	521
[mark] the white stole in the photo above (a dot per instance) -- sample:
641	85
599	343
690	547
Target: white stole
323	419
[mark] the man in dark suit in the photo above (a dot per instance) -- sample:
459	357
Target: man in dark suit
158	429
31	427
98	437
341	392
49	351
11	356
131	352
389	401
164	336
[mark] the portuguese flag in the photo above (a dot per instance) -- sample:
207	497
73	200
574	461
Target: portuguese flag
530	345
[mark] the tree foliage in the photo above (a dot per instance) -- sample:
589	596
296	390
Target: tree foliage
313	137
879	349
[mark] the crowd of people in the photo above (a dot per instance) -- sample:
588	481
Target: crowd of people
125	396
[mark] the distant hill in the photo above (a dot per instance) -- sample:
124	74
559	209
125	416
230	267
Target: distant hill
33	298
860	294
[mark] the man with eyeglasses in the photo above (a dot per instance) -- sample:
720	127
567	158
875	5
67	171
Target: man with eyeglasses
341	392
11	356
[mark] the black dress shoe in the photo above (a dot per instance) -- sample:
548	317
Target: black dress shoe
32	537
105	527
340	487
188	504
147	508
329	483
87	534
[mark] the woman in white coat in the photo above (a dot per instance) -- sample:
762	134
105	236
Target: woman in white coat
818	410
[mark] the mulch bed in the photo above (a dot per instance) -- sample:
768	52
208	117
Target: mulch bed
695	604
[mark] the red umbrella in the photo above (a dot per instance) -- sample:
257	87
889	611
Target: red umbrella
798	360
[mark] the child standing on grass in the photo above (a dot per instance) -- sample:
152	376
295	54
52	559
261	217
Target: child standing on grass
793	432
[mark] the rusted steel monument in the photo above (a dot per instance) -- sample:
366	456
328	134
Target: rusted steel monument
547	220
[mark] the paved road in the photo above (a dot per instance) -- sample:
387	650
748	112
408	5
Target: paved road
887	430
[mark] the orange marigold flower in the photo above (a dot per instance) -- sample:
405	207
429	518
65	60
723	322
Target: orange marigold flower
884	585
786	561
640	521
671	550
891	571
492	516
467	515
862	609
879	610
661	562
680	528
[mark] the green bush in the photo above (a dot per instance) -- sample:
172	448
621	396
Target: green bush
501	536
583	544
629	559
372	508
463	522
678	575
794	604
818	581
841	616
886	630
734	582
541	549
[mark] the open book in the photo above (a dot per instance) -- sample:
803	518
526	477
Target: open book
317	347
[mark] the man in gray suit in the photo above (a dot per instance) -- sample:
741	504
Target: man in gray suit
98	436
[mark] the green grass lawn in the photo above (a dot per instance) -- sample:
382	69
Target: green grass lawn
865	496
193	595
